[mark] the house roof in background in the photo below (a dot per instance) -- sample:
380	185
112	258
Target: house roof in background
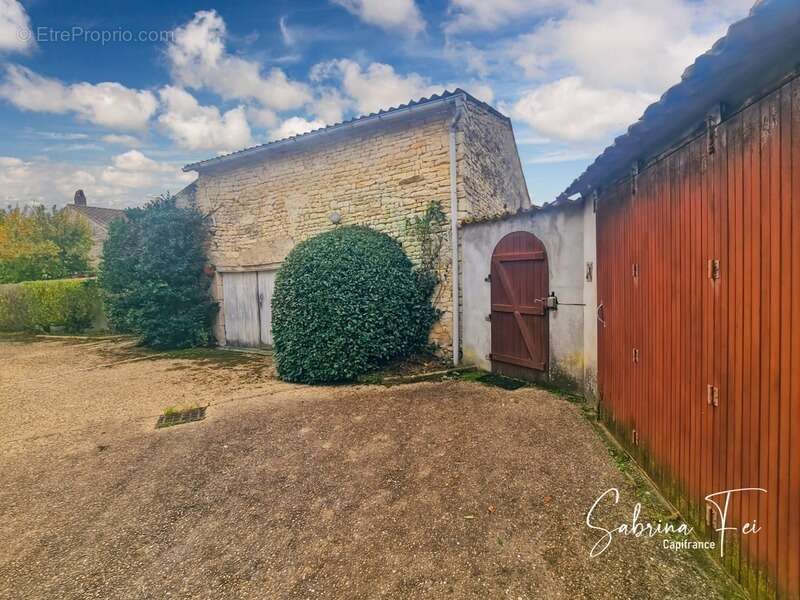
101	216
375	117
757	53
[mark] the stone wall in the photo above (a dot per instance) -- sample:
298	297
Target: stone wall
490	171
380	175
99	235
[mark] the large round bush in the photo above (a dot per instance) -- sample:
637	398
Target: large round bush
345	302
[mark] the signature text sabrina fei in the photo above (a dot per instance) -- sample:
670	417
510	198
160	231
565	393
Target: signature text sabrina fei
637	527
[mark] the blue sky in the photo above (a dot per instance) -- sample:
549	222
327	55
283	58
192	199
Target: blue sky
115	97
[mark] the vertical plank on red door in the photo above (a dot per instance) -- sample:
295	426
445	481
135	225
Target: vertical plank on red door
736	301
772	432
707	205
763	335
793	548
723	413
750	360
784	317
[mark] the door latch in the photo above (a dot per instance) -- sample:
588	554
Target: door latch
713	269
712	395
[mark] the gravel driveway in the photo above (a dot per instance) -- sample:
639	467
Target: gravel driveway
430	490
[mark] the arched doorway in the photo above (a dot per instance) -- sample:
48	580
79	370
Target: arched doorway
519	289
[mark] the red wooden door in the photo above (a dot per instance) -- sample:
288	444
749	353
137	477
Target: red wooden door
519	280
699	278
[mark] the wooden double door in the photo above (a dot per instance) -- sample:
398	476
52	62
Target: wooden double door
247	308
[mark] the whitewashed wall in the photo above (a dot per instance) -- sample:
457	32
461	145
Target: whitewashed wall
568	234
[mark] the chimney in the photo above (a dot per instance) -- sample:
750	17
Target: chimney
80	198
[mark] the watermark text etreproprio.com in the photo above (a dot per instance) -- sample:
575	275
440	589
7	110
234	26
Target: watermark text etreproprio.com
44	35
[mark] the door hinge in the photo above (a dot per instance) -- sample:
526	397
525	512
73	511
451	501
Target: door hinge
712	395
635	435
635	355
489	317
635	270
713	269
488	278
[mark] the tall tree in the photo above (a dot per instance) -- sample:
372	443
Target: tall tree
152	272
41	244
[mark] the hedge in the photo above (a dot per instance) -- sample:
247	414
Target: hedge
75	304
346	302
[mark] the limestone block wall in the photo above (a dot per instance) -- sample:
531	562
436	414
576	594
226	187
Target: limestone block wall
99	235
380	178
380	175
490	170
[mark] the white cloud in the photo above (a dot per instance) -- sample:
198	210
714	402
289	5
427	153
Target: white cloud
628	43
12	170
62	136
482	15
129	180
294	126
15	27
568	109
468	56
330	105
197	127
286	33
559	156
376	87
121	140
108	104
133	170
600	62
133	160
199	60
263	117
481	90
398	15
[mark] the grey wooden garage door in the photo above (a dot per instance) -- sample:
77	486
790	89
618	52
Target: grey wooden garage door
247	306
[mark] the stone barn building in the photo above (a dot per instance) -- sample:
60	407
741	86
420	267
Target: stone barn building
99	220
379	170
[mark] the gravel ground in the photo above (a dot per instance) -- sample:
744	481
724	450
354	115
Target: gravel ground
429	490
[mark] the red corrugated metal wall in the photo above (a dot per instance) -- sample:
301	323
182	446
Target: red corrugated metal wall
671	329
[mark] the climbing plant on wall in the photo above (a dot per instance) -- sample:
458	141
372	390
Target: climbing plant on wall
429	231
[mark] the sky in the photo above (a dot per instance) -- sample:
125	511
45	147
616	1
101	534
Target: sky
115	97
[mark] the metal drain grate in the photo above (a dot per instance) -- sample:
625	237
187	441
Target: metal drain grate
180	417
502	382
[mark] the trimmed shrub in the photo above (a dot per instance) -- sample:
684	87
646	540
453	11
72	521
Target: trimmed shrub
347	302
152	275
74	304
